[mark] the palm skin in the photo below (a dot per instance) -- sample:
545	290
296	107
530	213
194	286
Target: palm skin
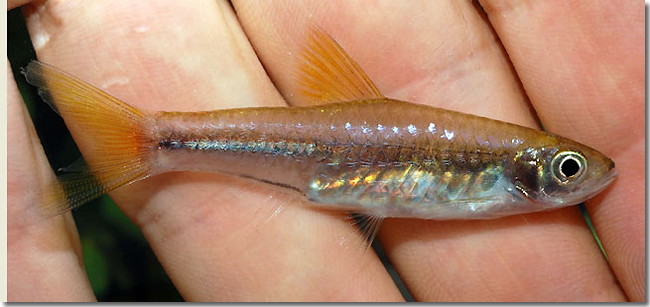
221	238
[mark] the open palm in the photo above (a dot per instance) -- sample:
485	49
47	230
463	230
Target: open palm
577	67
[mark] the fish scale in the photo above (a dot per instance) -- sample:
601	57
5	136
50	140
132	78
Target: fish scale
350	148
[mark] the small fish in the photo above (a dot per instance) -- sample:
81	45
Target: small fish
352	150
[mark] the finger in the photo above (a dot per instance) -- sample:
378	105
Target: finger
218	238
11	4
433	63
44	256
582	66
446	56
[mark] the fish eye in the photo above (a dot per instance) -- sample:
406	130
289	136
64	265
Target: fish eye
567	166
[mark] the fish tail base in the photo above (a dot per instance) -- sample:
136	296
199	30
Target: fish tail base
115	138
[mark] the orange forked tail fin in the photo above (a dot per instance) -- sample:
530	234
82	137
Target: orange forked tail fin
114	137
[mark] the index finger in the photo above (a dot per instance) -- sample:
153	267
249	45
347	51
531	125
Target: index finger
218	238
582	67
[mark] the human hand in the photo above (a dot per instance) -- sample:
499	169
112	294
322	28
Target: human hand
220	238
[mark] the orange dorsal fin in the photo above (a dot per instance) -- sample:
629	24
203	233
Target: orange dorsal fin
327	74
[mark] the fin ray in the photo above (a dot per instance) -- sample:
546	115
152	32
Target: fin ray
368	226
327	74
117	135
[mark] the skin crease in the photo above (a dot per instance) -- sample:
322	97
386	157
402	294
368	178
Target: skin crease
231	246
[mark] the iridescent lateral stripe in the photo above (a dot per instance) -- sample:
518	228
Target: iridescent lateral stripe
349	153
292	149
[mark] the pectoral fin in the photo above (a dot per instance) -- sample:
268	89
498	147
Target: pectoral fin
327	74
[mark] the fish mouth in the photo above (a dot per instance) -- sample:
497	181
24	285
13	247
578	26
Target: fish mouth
603	183
585	194
613	174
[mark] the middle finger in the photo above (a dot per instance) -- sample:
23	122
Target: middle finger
446	55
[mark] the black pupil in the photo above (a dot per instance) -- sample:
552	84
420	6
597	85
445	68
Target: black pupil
569	167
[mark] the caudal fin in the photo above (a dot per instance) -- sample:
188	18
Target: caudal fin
116	136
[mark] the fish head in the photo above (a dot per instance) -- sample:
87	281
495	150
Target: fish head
563	174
